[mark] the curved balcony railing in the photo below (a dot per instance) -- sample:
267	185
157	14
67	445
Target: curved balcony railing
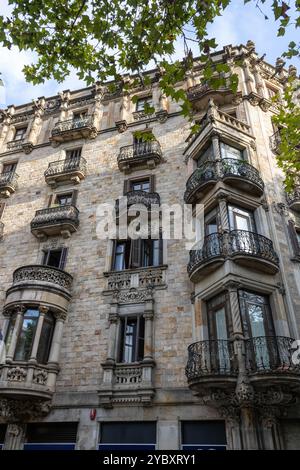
210	358
293	199
40	273
271	354
9	179
251	243
142	150
226	245
72	124
214	170
66	166
56	215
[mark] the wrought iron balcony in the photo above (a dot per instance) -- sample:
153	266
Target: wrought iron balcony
237	173
246	248
42	274
140	154
213	364
137	197
8	183
271	355
71	170
275	141
58	220
211	361
74	129
293	199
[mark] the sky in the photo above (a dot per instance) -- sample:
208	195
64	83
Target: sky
238	24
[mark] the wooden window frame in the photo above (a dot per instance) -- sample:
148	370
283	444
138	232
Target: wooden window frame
53	197
139	320
128	183
63	257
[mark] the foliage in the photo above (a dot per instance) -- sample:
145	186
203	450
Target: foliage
105	39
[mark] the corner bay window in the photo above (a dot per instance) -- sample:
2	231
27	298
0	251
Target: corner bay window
129	254
132	339
26	336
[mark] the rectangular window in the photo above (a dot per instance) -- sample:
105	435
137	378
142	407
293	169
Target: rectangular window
138	435
9	167
142	102
241	219
51	436
55	258
203	435
141	253
141	185
132	339
20	133
207	154
79	115
144	183
227	151
64	199
73	155
26	335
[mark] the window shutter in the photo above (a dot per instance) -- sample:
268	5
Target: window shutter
63	258
74	197
135	253
152	183
126	186
293	238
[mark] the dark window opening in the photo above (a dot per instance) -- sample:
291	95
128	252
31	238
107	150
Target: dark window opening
127	435
51	436
73	155
64	199
9	167
204	435
55	258
139	253
132	339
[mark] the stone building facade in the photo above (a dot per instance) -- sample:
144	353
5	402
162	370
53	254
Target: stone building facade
142	344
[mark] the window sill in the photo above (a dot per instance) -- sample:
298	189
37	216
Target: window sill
135	270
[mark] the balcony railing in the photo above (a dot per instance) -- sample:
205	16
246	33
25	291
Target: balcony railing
56	215
8	183
69	165
42	274
72	124
270	354
239	243
210	358
264	356
138	153
226	169
293	199
275	141
15	144
138	197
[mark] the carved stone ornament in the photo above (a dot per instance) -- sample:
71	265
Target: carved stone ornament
52	105
121	126
280	208
23	410
161	115
133	295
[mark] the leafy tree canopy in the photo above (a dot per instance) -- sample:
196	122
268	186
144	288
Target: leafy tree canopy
104	39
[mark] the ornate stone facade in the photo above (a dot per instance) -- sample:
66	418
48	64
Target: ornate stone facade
89	374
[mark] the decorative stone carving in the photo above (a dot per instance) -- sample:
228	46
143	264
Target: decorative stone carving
43	274
40	376
162	115
280	208
52	106
23	410
133	296
121	126
128	375
17	374
139	278
244	392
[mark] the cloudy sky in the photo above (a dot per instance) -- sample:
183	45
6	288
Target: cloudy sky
238	24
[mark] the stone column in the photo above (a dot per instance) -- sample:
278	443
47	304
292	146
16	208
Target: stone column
258	82
7	116
124	113
216	146
113	323
190	80
15	436
98	107
231	414
249	428
232	289
65	97
35	125
57	337
270	427
168	434
248	77
11	351
148	343
43	310
223	210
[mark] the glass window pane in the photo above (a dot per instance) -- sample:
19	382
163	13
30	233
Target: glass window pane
227	151
53	258
45	340
129	351
10	332
119	263
156	244
207	154
26	335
